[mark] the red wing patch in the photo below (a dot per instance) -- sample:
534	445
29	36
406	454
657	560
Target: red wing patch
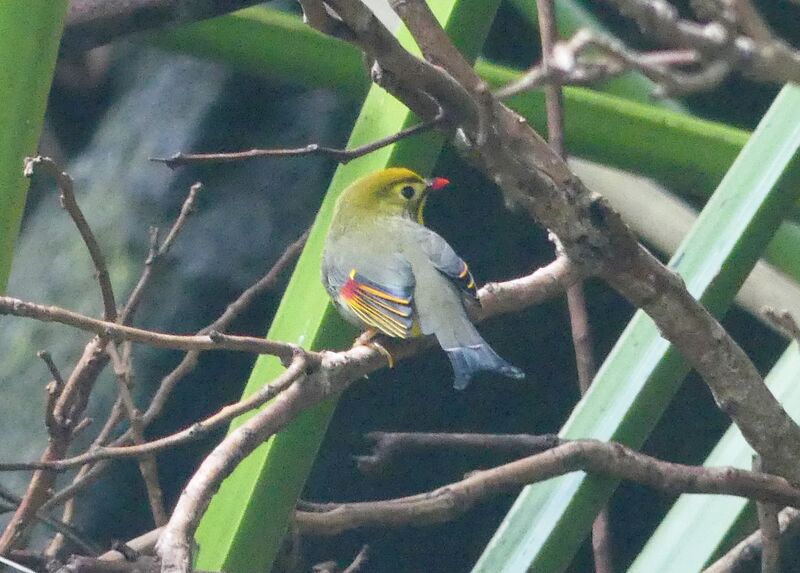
388	310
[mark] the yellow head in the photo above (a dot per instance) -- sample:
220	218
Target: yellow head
396	191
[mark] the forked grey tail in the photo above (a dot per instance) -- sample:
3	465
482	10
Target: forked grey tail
469	360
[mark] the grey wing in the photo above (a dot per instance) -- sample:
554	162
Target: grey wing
446	261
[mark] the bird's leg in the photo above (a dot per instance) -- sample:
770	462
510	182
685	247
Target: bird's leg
366	339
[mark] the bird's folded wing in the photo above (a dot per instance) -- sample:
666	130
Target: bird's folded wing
446	261
387	309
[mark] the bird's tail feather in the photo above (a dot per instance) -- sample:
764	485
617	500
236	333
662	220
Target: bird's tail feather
469	360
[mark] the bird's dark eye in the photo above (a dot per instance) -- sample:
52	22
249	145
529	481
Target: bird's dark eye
407	191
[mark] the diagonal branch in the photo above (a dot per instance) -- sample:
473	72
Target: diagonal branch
340	155
196	431
158	251
67	196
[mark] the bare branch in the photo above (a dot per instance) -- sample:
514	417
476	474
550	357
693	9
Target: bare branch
761	59
147	463
157	252
63	528
87	476
610	459
784	321
64	182
196	431
573	65
212	341
341	155
360	560
51	366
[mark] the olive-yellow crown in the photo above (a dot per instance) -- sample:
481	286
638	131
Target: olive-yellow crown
395	191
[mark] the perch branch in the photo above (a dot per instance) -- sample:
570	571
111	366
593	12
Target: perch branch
332	372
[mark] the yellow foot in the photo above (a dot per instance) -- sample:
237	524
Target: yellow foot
382	350
365	339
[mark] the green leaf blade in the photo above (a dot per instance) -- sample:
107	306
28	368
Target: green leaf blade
29	36
697	526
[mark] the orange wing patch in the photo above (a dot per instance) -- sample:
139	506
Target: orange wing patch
388	310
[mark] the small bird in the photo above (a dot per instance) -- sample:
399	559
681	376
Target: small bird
388	273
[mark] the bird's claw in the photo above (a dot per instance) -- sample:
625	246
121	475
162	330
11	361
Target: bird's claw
366	339
386	354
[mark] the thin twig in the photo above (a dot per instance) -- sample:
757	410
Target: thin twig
51	366
576	299
61	527
784	321
770	530
147	463
340	155
572	66
212	341
221	324
772	60
360	560
267	282
157	252
14	565
193	433
64	182
609	459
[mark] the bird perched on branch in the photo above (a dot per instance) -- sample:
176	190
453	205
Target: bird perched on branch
387	273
